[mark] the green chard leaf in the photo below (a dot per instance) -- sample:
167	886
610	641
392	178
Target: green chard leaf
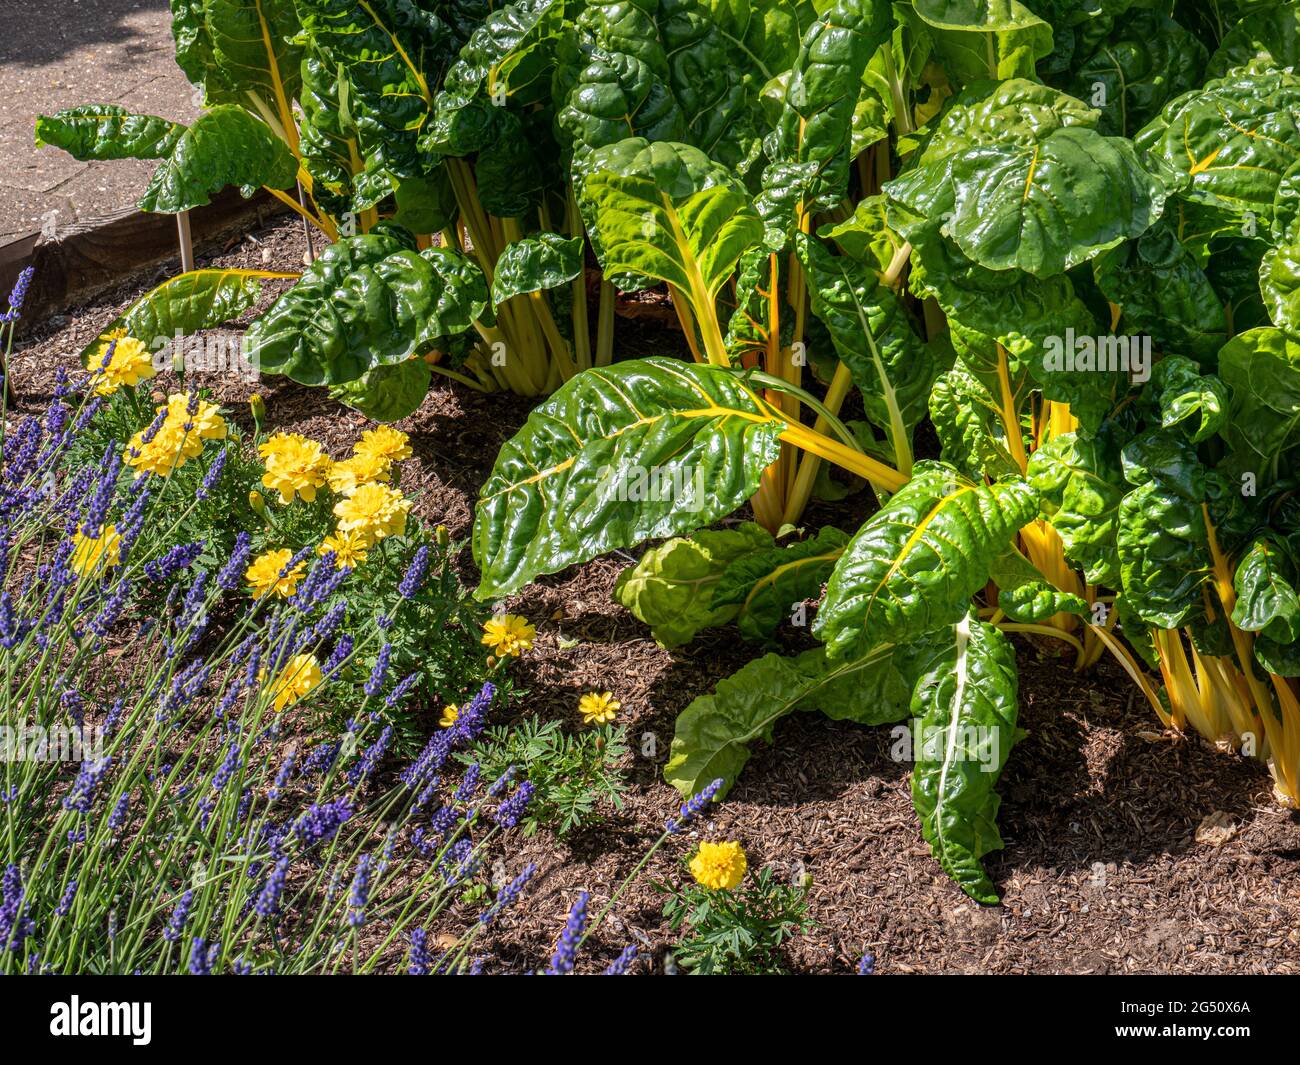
1185	397
912	567
234	49
536	264
969	425
1080	483
764	585
559	492
1162	539
1261	367
964	696
985	39
715	732
1266	596
225	146
366	301
1265	38
106	131
1026	595
387	393
673	588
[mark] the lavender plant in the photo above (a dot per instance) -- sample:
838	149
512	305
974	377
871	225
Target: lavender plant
161	809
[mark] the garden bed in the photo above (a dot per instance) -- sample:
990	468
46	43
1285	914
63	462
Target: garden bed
1102	870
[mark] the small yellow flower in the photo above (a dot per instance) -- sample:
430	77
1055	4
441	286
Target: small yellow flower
450	715
349	548
720	866
294	466
257	502
296	681
91	555
508	634
374	510
358	470
265	576
385	443
129	364
598	708
174	444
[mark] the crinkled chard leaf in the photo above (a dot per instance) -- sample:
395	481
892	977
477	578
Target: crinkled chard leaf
225	146
666	211
1262	369
964	696
912	567
1266	596
186	303
764	585
1266	38
673	587
715	732
106	131
536	264
1188	398
809	148
968	422
1080	482
564	489
873	337
234	48
1164	293
366	301
986	39
1233	139
1161	534
387	393
1026	595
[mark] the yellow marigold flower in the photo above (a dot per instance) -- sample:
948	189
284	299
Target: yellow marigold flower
91	555
358	470
129	364
114	334
450	715
720	866
349	548
173	444
598	708
508	634
299	678
374	510
294	466
265	576
385	442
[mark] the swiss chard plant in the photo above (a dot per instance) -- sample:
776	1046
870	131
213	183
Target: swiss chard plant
1077	242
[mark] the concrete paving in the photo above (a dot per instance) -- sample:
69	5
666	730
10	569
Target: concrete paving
61	53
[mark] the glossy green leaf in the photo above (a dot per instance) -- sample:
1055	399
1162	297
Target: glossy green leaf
965	700
1185	397
106	131
225	146
673	587
1026	595
969	425
914	565
890	364
986	39
366	301
560	491
715	732
1268	37
1080	484
764	585
1234	139
1164	293
234	49
666	211
536	264
866	235
1161	535
187	303
1279	283
1262	369
387	393
809	147
1266	597
1146	61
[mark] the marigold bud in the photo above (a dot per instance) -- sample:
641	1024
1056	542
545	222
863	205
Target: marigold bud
258	504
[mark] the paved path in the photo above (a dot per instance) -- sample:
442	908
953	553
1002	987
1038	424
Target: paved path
60	53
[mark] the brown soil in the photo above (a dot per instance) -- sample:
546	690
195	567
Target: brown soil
1101	872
